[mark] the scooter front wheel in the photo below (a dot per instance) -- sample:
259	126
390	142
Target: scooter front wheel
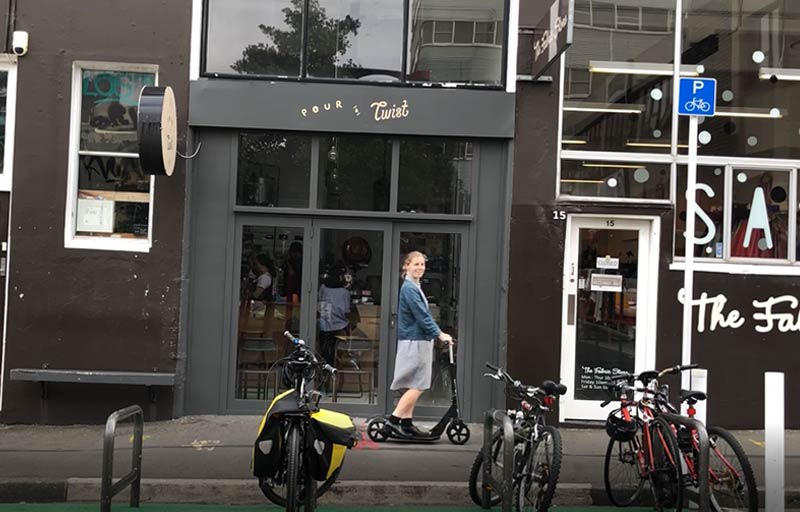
375	429
458	432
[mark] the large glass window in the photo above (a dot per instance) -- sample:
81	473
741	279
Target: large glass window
709	227
353	39
254	38
751	50
274	170
460	42
109	194
446	169
8	87
456	43
591	178
618	88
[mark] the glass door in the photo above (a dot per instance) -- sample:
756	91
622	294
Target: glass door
609	304
350	293
269	298
444	287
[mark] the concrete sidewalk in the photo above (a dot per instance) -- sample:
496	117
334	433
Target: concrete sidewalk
205	459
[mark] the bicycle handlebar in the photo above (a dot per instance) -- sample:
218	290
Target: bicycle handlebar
301	345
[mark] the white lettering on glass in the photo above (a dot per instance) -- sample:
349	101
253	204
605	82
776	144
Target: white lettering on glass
758	218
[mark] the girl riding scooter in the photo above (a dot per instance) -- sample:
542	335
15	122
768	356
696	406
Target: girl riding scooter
416	330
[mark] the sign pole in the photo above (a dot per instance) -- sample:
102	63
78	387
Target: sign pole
688	272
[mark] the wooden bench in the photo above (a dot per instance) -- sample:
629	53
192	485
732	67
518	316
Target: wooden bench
46	376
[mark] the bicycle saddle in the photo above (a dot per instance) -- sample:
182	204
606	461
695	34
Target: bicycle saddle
551	388
647	376
687	394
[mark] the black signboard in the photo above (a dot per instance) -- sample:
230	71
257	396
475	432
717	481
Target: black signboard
552	35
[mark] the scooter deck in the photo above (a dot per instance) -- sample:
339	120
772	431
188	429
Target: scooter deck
413	440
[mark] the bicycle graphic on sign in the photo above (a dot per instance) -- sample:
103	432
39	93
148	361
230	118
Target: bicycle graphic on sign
697	104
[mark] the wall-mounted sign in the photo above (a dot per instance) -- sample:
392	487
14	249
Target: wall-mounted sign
773	313
552	35
605	283
379	110
95	216
158	130
608	263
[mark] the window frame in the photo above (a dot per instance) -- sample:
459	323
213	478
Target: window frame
73	240
9	64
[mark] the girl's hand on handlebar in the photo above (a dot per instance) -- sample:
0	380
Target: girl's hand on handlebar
446	338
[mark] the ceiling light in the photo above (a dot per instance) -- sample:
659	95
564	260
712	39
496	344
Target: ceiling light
573	141
608	108
644	68
582	181
638	144
792	74
763	113
612	166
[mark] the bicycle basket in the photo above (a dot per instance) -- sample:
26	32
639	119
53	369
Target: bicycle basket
330	435
268	447
620	429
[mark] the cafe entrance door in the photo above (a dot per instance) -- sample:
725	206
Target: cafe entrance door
609	307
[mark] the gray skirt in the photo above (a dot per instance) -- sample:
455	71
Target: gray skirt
413	365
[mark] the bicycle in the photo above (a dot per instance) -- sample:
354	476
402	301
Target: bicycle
537	446
697	104
298	443
642	446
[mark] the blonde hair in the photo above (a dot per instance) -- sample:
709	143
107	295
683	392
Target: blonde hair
410	256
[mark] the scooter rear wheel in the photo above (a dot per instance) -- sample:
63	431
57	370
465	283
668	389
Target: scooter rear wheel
375	430
458	432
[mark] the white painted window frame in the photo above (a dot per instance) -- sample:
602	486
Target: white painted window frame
72	240
727	266
8	63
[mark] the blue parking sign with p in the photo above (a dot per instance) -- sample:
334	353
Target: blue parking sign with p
697	97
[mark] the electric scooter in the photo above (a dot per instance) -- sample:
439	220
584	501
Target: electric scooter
457	431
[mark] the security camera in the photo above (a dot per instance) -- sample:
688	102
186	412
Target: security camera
19	43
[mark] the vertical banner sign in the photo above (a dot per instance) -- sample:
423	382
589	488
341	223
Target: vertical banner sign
552	35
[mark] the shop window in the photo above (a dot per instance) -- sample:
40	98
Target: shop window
352	39
589	178
655	20
109	197
757	67
354	173
8	88
762	216
435	176
274	170
630	70
356	40
465	48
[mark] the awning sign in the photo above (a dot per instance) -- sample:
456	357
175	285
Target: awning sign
552	35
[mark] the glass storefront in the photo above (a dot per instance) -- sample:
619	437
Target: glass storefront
447	42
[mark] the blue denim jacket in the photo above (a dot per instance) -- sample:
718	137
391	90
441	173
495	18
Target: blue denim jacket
414	320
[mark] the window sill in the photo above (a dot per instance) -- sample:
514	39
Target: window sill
739	268
108	244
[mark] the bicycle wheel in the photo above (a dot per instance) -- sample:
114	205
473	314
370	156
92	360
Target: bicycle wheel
537	487
665	479
622	475
309	494
731	480
275	489
476	472
293	469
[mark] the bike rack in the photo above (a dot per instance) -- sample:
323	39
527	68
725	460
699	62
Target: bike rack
505	487
108	489
702	467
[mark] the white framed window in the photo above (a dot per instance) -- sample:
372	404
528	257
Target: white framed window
8	102
109	197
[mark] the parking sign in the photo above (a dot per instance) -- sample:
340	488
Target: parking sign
697	97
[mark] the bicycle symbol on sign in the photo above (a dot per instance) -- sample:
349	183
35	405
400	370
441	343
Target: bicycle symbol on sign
697	104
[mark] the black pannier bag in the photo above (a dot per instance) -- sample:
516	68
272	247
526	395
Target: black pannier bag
269	442
329	437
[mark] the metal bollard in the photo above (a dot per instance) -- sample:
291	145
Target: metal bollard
505	487
774	416
108	489
702	466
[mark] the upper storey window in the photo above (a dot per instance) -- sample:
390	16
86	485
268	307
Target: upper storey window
357	40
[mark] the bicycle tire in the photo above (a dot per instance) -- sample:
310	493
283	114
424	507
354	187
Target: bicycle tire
476	472
280	498
665	481
625	454
540	474
293	469
743	494
309	494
